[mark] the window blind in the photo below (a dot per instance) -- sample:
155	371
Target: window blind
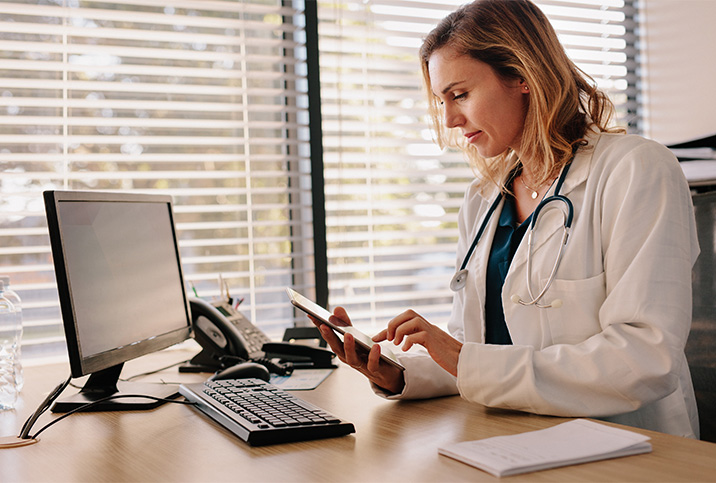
391	196
201	100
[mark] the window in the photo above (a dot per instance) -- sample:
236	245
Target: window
391	196
205	101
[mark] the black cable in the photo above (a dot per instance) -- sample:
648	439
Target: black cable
145	374
281	369
155	371
99	401
44	406
54	394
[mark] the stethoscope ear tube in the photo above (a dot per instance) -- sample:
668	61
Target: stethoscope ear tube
569	214
528	273
459	280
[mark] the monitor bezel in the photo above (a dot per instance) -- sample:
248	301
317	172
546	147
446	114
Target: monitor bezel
85	364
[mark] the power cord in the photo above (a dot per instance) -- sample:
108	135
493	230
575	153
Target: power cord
44	406
155	370
281	369
24	438
100	401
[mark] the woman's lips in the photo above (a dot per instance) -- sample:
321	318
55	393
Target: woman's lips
472	136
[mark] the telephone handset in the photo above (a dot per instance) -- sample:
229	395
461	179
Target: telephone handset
226	335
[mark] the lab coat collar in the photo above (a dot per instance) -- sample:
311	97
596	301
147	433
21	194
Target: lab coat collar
581	163
578	172
576	176
549	227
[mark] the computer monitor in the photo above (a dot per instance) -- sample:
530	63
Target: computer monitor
121	289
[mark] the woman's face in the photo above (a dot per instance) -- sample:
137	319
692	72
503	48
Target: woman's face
488	110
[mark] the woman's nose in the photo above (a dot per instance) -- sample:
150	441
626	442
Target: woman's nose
453	116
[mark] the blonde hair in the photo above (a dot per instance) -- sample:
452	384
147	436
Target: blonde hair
515	38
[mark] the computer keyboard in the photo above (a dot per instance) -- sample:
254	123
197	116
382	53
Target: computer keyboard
261	414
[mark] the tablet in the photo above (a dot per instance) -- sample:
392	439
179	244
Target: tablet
318	312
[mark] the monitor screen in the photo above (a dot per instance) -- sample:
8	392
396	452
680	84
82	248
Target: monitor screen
119	280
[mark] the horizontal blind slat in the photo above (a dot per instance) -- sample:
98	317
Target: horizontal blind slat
203	100
392	196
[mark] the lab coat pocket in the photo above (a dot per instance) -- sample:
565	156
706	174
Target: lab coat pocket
578	317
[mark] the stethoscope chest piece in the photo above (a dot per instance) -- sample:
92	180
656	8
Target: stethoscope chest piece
459	280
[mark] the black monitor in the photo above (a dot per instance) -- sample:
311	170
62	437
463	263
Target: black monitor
121	289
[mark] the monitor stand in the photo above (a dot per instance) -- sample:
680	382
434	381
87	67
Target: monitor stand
106	383
205	361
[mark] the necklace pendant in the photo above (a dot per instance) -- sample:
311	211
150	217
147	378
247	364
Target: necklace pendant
534	195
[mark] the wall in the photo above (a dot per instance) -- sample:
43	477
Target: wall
680	69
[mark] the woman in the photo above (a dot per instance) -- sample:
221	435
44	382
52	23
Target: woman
607	337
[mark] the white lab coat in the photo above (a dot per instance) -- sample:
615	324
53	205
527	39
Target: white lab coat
615	349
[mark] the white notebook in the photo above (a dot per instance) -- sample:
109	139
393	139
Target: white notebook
573	442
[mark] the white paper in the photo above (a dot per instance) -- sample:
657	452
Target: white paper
701	172
576	441
301	379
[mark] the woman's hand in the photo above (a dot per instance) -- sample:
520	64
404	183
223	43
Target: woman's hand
379	373
412	328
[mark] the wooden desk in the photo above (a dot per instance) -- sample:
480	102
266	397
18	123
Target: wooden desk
394	441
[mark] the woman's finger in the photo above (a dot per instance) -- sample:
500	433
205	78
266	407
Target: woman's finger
352	357
380	336
340	317
333	341
373	364
408	327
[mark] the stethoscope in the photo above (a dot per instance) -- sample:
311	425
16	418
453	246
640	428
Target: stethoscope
459	280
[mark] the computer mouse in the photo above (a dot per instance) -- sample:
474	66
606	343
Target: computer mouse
243	370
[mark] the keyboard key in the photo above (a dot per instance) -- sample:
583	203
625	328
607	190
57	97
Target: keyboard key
261	414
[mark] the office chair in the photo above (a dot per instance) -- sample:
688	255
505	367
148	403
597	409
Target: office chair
701	345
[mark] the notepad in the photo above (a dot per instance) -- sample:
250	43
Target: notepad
301	379
574	442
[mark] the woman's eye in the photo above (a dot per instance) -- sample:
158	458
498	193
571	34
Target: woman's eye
460	96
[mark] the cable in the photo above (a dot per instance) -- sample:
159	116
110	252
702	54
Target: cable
155	371
99	401
44	406
127	379
54	394
282	369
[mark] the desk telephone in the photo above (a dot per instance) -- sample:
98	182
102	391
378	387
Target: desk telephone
227	337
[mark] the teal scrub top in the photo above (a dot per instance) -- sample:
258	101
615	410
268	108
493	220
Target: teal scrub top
507	238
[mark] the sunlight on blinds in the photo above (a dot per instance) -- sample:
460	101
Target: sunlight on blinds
391	196
202	100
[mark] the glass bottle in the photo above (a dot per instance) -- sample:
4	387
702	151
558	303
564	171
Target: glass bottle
9	341
13	297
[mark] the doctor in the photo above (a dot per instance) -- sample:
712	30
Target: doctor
601	336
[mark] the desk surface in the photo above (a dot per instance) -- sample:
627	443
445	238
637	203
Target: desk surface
394	441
